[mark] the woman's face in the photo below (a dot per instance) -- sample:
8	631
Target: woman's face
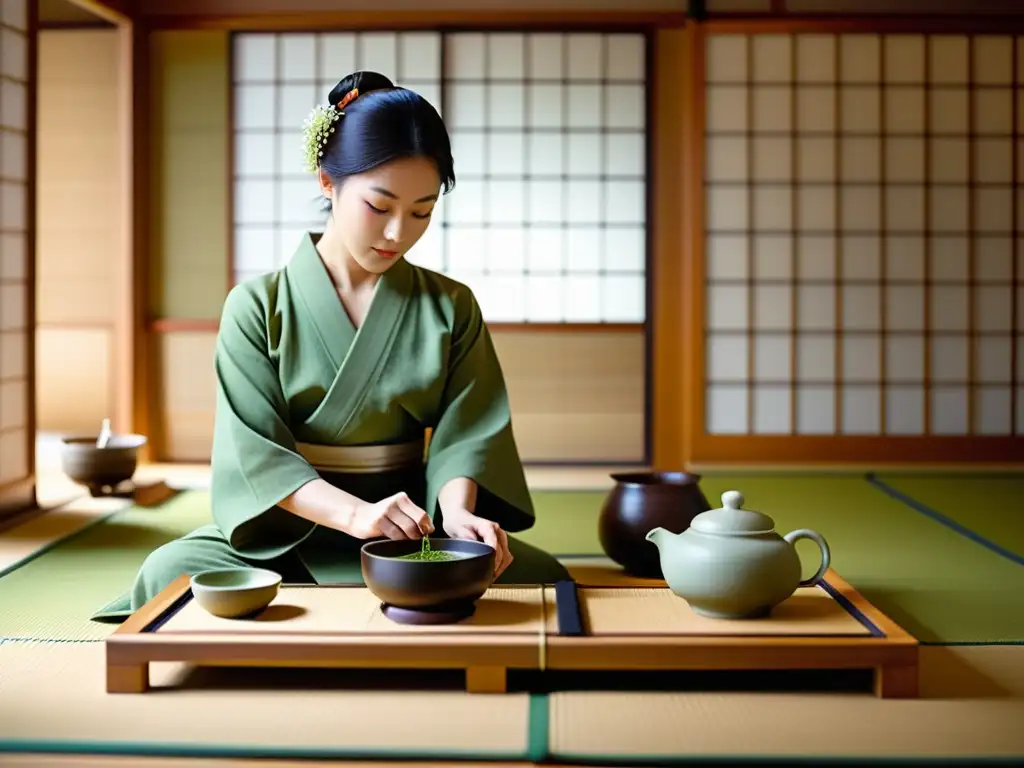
382	213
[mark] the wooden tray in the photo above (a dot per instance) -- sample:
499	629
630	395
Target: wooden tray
560	627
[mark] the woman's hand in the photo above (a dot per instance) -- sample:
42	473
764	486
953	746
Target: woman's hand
463	524
396	517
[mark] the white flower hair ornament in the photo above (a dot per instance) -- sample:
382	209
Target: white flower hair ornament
318	127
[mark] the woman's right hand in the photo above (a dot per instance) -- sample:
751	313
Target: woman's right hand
395	517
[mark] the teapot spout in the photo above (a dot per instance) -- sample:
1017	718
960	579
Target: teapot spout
656	536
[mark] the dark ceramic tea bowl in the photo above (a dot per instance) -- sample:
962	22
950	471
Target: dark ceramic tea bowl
427	591
101	469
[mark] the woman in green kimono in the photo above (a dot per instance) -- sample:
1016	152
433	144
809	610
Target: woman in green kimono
330	371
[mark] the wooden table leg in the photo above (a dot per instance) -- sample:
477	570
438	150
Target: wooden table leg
127	678
486	680
896	682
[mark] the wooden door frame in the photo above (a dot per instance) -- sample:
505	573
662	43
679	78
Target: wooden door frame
703	449
131	379
131	369
19	495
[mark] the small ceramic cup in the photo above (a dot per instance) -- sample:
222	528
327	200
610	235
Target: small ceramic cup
233	593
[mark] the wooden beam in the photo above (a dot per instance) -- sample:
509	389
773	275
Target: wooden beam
123	330
691	306
20	498
394	20
135	369
66	26
669	201
114	11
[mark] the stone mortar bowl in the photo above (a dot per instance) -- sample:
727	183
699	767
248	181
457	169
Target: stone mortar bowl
101	469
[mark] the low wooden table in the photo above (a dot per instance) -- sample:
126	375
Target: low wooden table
573	625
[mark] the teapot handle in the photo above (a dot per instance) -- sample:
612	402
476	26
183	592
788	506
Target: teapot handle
826	555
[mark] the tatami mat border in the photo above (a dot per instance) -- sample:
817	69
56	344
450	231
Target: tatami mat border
151	749
50	640
942	519
103	518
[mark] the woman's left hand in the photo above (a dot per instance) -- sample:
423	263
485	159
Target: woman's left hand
465	525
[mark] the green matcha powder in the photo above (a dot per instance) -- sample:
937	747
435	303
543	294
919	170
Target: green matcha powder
428	553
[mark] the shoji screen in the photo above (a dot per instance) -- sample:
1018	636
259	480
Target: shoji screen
16	433
548	220
278	79
861	246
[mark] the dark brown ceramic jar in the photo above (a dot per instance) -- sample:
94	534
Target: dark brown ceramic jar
639	502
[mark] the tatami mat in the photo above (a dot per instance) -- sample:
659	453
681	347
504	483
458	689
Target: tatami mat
983	507
894	555
972	706
52	596
37	535
566	522
934	580
54	697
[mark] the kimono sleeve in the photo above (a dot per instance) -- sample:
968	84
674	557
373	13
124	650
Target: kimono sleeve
254	461
473	435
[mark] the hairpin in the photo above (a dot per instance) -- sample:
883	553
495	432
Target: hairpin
349	98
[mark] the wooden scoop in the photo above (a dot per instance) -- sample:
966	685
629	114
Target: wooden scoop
104	437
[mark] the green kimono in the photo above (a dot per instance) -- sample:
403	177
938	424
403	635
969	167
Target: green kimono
295	378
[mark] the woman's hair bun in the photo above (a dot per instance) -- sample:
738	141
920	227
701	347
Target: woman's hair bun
362	81
352	134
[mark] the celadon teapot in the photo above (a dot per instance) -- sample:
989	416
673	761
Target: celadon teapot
732	564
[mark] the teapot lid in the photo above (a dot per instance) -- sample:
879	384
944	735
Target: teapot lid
730	519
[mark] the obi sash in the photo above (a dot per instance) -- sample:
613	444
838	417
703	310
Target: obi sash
363	459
